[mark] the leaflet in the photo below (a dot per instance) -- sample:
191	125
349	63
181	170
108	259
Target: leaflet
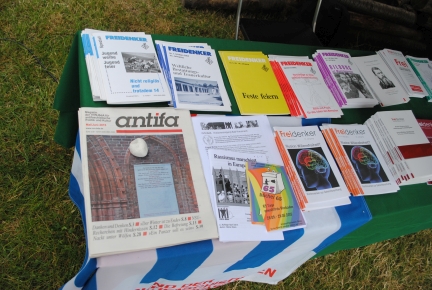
144	187
194	77
276	203
364	158
229	195
314	176
129	68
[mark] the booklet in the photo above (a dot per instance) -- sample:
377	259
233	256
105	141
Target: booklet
253	82
423	69
359	159
194	76
400	67
275	201
344	79
230	198
306	87
314	176
385	87
144	187
129	68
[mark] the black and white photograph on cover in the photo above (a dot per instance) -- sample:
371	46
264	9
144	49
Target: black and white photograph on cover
199	92
353	85
230	187
136	62
384	81
124	186
366	164
313	168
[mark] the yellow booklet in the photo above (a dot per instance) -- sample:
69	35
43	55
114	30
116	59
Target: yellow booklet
253	82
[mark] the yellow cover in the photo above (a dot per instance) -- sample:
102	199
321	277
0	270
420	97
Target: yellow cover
253	82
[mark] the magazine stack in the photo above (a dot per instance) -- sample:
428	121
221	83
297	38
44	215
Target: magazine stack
362	165
315	178
399	66
304	88
123	67
143	183
253	82
423	69
344	79
193	76
407	149
385	87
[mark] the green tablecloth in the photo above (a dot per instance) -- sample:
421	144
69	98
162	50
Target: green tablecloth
394	215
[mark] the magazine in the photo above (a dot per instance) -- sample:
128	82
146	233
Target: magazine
253	82
314	176
384	85
344	79
402	70
194	76
355	151
144	186
306	86
129	68
423	69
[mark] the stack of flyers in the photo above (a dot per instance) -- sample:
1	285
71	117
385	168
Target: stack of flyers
123	67
423	69
384	86
344	79
363	167
402	141
272	200
315	178
193	76
400	68
304	88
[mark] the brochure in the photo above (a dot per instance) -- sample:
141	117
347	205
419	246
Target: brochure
423	69
277	204
254	84
314	176
144	187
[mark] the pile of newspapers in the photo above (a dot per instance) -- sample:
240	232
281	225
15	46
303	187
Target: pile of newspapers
193	76
123	67
404	145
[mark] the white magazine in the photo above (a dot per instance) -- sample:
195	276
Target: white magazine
144	187
386	88
309	87
129	68
365	158
194	77
311	167
397	62
423	69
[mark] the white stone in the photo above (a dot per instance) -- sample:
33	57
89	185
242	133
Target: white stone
138	148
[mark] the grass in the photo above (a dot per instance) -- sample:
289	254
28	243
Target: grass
41	235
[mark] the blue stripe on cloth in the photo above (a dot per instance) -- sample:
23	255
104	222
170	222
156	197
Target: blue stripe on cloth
176	263
315	121
352	216
264	251
77	145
